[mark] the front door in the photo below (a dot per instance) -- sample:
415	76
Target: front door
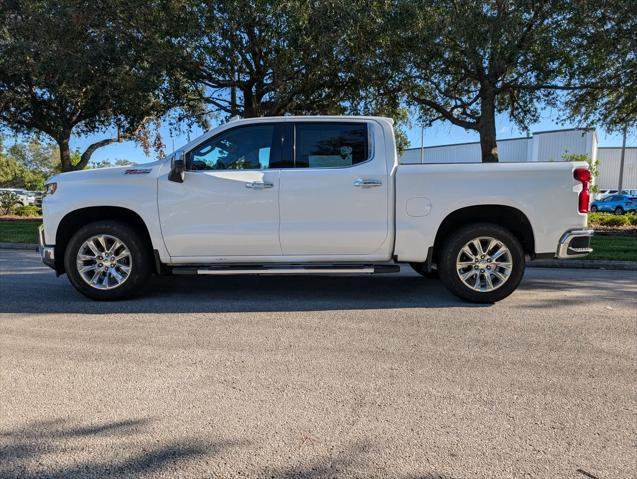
228	203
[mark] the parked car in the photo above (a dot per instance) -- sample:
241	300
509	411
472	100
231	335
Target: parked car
618	204
24	197
311	195
603	194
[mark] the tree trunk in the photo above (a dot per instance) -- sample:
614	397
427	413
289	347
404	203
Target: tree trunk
249	104
65	153
488	145
86	156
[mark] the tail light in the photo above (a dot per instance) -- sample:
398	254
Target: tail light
584	177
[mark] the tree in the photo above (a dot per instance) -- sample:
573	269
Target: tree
609	53
261	57
270	57
466	61
73	67
27	165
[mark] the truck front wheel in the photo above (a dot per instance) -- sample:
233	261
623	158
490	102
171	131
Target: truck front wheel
107	260
481	263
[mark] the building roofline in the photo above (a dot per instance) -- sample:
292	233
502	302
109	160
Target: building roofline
613	148
509	139
561	131
467	143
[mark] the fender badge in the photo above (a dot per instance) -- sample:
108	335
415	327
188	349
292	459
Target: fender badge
138	171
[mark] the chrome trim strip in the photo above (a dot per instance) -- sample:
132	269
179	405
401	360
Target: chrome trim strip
272	271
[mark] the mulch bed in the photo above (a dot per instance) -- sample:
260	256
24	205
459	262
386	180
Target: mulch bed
615	230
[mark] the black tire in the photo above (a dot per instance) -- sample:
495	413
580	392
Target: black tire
420	269
141	260
449	255
593	209
619	210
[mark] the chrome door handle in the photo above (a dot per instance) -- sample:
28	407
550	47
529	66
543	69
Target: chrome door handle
259	185
366	183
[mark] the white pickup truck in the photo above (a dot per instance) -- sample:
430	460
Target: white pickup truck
311	195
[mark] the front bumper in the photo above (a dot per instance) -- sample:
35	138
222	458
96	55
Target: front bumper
575	244
47	253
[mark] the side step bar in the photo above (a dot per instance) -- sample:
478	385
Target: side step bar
286	269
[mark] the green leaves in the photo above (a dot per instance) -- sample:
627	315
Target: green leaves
74	67
465	62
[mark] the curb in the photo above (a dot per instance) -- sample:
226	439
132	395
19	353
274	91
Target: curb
29	246
583	264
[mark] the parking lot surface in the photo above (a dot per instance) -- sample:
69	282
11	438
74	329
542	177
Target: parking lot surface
285	377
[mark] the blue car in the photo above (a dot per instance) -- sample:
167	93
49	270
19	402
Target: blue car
618	204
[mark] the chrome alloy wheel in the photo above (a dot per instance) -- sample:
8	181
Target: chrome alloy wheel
484	264
104	262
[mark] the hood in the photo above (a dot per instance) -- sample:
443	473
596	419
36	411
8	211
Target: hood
143	169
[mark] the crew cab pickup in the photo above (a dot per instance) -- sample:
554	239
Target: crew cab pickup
311	195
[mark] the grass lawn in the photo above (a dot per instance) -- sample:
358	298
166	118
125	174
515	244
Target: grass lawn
19	231
621	248
605	247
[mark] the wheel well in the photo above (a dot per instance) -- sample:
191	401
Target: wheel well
78	218
506	216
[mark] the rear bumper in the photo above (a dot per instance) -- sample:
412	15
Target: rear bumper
575	244
47	253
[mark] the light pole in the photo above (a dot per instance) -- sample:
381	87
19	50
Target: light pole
422	144
620	187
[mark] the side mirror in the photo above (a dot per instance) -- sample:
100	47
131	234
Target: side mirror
177	167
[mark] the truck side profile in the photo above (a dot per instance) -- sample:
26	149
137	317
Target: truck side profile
311	195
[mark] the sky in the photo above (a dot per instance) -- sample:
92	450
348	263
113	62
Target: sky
441	133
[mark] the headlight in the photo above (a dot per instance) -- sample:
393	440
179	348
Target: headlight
50	188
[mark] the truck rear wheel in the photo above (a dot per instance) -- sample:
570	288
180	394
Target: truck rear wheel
107	260
481	263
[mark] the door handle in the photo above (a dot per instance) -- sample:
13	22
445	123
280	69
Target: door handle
367	183
259	185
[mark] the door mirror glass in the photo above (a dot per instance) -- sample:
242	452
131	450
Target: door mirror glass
177	167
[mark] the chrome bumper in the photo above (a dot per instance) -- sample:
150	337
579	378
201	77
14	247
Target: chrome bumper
47	253
575	244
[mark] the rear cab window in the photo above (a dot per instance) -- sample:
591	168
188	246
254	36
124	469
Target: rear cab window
331	145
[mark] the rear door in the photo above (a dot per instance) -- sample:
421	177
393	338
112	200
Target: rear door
227	205
334	200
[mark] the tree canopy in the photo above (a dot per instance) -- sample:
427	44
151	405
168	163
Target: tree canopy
27	165
266	57
605	45
75	67
467	61
78	67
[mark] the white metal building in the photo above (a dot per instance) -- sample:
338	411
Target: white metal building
608	176
541	146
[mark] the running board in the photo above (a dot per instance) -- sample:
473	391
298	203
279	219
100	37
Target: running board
287	269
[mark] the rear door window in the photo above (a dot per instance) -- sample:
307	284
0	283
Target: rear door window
331	145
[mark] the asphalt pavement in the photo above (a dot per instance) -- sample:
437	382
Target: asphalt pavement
310	377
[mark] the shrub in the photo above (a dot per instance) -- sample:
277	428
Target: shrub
613	220
28	210
595	218
606	219
631	218
8	202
